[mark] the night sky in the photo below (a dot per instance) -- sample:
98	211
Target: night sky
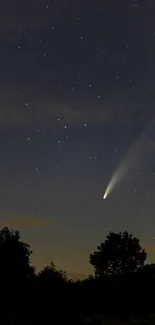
77	89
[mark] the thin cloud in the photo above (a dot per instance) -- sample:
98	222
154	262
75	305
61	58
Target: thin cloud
150	250
21	222
17	111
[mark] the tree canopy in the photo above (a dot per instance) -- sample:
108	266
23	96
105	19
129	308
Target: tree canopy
14	255
120	253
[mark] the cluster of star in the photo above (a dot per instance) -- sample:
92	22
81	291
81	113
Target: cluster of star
67	68
125	73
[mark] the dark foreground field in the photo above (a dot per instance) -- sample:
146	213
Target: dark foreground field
84	320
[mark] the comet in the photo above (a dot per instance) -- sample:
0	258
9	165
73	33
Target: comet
128	161
114	180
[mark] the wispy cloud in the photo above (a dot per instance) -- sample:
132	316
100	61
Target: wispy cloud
36	106
22	111
19	221
150	250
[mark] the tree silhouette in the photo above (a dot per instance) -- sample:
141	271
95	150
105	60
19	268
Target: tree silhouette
14	257
126	294
49	276
119	254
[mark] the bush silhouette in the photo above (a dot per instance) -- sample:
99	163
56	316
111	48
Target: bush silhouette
50	277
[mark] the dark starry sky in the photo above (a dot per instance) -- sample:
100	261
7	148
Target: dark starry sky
77	88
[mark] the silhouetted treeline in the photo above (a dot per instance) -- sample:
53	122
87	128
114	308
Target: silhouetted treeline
122	285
